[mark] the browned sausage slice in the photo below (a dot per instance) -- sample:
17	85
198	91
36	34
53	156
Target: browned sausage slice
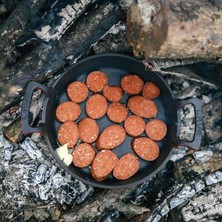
134	125
103	164
68	133
146	148
68	111
88	130
142	107
83	155
126	167
117	112
77	91
113	93
96	106
132	84
156	129
96	81
111	137
150	90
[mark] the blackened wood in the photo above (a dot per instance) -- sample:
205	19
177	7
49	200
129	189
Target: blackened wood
60	17
14	26
48	59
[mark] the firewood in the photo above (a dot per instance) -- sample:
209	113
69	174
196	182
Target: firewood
176	29
14	131
45	60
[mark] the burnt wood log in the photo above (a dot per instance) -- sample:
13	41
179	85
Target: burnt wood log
13	28
176	29
60	17
47	59
14	131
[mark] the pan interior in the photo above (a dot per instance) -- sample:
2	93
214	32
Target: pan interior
115	66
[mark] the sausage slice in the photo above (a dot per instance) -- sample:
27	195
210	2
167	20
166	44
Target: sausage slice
68	111
113	93
96	81
126	167
88	130
142	107
68	133
150	90
77	91
146	148
132	84
117	112
83	155
134	125
103	164
111	137
96	106
156	129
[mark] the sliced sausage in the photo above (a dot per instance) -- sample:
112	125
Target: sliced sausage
113	93
68	111
77	91
150	90
142	107
117	112
126	167
156	129
132	84
96	81
96	106
146	148
83	155
134	125
88	130
111	137
103	164
68	133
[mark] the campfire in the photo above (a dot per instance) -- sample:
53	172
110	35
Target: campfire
41	40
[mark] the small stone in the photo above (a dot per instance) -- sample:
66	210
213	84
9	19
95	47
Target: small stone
202	156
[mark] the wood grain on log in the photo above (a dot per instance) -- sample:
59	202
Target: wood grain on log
14	131
176	29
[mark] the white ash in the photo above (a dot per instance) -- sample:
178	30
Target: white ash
202	156
165	210
176	201
67	17
178	153
199	185
213	178
204	207
32	150
31	175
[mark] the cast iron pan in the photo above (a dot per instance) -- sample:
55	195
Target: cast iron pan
115	66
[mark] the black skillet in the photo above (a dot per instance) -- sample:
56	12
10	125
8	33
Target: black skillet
115	66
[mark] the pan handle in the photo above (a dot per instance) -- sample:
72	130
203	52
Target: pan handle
195	143
26	128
